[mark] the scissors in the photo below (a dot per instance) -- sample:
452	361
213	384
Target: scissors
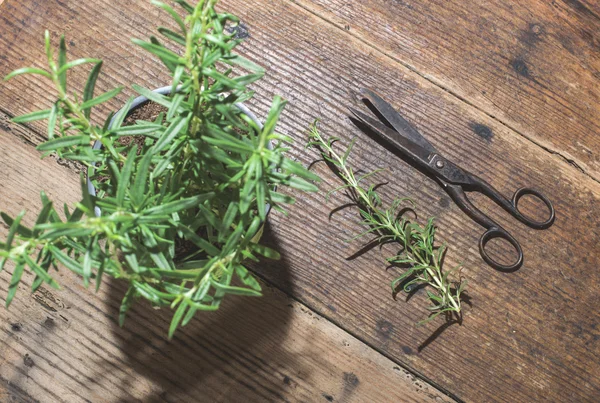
404	138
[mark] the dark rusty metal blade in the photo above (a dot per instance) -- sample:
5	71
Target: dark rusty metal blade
396	120
416	152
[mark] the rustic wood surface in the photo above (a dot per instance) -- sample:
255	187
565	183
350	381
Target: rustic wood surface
65	345
532	65
528	336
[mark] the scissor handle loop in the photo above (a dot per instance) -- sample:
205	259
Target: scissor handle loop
496	232
528	221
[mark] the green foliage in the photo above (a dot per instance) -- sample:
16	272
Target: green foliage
203	175
422	260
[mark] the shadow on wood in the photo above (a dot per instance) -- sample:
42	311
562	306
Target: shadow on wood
219	354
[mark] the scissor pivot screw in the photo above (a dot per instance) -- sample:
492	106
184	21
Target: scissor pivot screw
439	164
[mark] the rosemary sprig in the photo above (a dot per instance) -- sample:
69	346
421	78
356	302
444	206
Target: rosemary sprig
418	252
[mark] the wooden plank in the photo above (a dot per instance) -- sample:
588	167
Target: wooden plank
65	345
533	65
529	335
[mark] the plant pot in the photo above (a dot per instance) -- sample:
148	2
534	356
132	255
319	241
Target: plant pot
138	103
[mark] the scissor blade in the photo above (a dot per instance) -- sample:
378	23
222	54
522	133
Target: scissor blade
400	124
401	143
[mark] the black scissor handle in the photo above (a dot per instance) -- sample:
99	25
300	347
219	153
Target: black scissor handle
497	232
528	221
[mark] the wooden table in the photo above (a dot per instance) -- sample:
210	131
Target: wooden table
512	91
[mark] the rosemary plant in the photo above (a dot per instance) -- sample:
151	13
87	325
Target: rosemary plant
205	173
418	253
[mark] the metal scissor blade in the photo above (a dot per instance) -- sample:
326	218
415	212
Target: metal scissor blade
400	124
401	143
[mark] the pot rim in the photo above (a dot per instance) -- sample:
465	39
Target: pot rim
139	102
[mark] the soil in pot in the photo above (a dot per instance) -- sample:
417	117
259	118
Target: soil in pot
148	112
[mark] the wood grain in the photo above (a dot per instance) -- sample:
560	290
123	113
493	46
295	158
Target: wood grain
529	336
65	345
532	65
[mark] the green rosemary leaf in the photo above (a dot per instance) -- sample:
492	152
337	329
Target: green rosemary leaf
27	70
15	228
186	5
174	36
123	185
43	216
177	100
173	15
126	303
63	142
140	129
133	263
101	98
120	116
232	243
40	272
90	86
57	230
14	282
139	184
163	53
86	202
99	274
247	79
261	199
75	63
266	251
277	197
190	314
348	150
297	169
30	117
174	129
212	57
177	76
230	214
48	47
221	78
87	267
301	184
198	241
177	317
158	98
66	260
174	206
107	121
244	63
178	274
247	278
216	40
234	290
62	61
273	116
227	141
52	121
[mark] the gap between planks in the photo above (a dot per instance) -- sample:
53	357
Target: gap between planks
571	161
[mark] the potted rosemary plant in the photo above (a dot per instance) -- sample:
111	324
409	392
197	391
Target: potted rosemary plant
203	172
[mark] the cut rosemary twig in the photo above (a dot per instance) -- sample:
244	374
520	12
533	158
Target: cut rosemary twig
418	252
